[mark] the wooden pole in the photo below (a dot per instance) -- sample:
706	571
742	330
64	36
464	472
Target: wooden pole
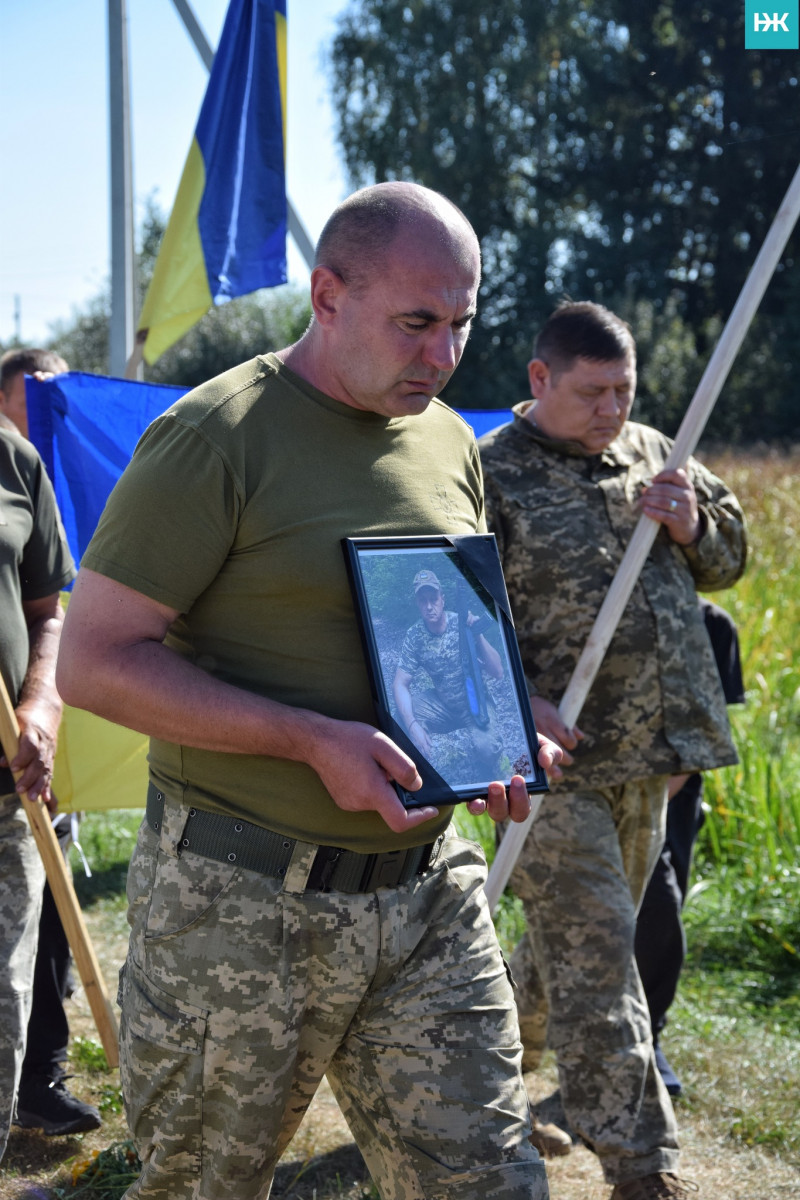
644	534
60	880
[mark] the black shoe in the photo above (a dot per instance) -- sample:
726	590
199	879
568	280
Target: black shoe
671	1081
48	1105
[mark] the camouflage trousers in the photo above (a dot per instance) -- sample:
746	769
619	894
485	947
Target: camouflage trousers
21	886
481	747
581	876
241	991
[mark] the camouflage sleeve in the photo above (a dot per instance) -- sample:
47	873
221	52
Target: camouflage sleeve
493	502
497	523
409	657
719	557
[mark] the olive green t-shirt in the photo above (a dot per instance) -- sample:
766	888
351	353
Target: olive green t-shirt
34	557
232	511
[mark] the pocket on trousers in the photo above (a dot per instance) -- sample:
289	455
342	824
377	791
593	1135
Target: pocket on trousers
184	891
157	1017
161	1068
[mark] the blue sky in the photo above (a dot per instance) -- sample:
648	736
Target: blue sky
54	231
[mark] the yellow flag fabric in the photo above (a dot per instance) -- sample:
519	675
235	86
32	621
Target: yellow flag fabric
98	765
179	294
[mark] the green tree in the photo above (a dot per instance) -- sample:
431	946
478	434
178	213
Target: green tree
82	339
604	149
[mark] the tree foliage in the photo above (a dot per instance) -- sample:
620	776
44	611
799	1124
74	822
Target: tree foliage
629	153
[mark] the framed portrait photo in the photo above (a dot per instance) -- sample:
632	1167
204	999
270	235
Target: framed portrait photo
443	663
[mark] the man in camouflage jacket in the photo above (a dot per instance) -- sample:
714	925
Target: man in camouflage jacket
566	483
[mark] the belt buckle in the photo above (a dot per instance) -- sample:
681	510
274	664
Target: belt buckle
383	870
322	869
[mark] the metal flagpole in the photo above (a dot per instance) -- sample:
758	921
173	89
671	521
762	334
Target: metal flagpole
644	534
123	288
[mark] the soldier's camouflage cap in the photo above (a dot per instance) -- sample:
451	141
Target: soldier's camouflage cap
426	579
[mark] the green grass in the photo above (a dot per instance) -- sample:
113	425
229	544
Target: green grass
743	920
107	839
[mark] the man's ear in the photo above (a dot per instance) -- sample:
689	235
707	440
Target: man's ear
328	290
538	377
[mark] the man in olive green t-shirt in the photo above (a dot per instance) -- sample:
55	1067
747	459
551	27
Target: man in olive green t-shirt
35	563
289	917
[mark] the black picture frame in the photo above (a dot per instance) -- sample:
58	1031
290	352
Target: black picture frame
461	681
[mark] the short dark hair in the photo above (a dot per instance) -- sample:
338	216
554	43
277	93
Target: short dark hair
359	233
583	330
26	362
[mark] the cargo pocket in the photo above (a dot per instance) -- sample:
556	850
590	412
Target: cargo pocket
161	1069
184	891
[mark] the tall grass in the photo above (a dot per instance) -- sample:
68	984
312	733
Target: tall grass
744	906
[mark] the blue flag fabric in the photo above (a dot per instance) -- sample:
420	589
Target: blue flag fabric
484	420
86	428
242	216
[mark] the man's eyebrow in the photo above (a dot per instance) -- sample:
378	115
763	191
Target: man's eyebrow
426	314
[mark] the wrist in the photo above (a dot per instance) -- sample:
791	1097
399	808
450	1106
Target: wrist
42	712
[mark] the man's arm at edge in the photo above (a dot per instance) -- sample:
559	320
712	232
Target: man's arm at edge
39	709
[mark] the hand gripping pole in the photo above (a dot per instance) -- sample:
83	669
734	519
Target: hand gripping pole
60	880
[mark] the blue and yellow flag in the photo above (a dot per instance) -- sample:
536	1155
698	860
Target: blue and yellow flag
227	232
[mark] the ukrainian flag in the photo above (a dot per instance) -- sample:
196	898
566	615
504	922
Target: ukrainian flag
227	232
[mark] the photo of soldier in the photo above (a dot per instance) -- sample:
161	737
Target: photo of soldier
451	649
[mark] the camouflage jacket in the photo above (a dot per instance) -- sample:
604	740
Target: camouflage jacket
562	518
439	656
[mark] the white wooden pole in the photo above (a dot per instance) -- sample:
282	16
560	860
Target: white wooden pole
688	435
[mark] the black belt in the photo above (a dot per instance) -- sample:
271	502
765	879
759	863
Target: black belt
228	839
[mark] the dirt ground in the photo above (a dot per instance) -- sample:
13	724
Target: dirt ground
721	1171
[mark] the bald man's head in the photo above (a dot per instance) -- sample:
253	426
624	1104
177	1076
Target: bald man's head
366	226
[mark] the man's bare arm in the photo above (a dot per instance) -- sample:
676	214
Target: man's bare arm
402	698
113	663
39	708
